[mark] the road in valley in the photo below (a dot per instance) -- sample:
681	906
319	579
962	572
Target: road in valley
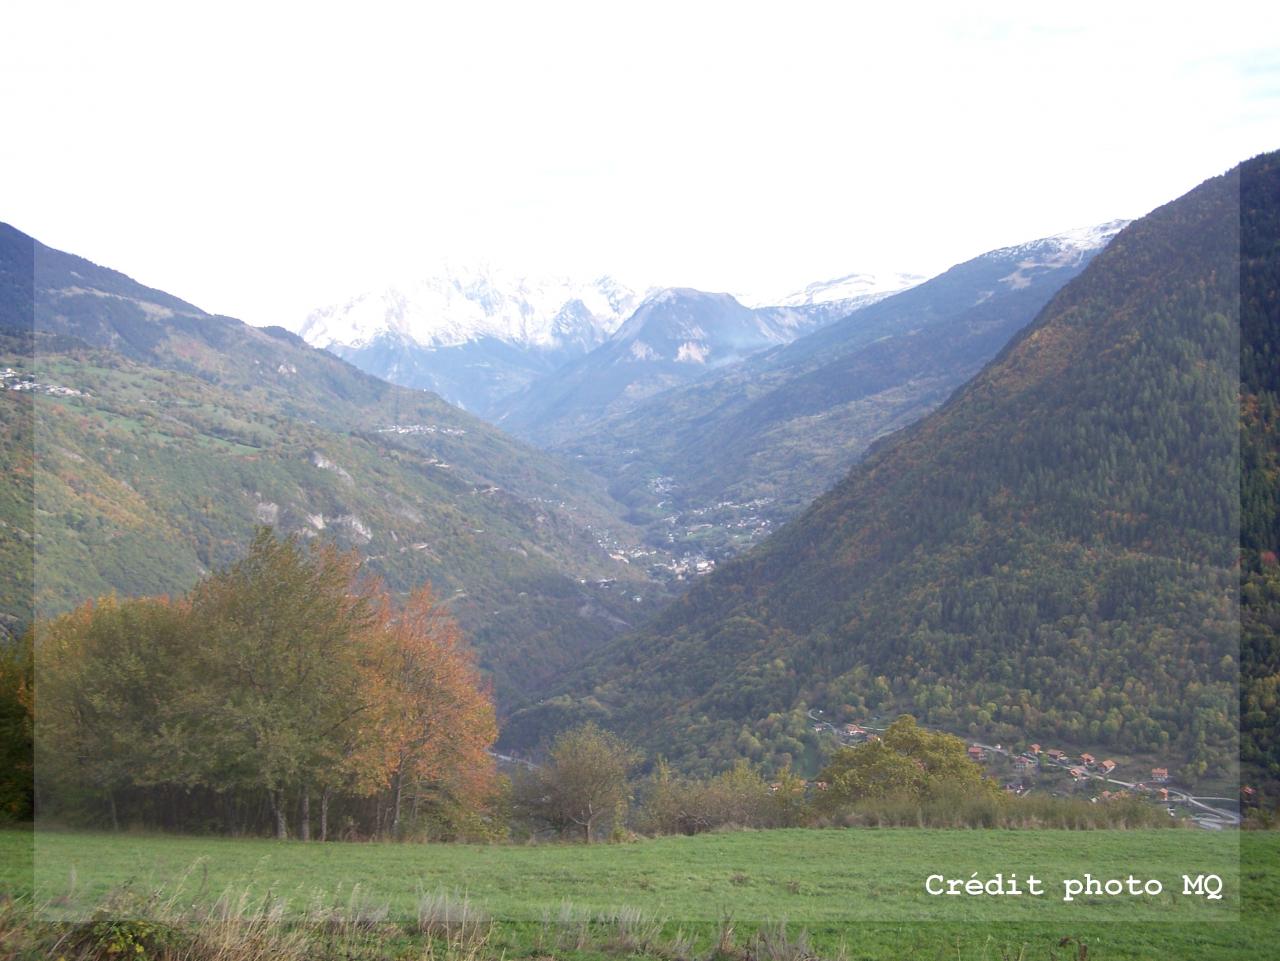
1212	818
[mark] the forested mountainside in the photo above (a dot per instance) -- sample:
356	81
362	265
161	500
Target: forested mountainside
716	464
1049	556
156	437
1260	466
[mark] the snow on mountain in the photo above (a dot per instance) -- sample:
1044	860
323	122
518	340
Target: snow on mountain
693	326
460	305
854	290
848	292
862	289
1088	238
553	352
1061	250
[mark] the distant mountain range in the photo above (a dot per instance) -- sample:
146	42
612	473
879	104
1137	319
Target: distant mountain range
547	358
474	335
674	337
481	337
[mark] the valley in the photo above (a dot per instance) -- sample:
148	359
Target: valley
746	448
603	482
676	546
1048	551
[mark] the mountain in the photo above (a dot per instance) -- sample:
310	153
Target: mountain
675	336
165	434
474	335
480	336
1048	556
714	465
1260	470
848	292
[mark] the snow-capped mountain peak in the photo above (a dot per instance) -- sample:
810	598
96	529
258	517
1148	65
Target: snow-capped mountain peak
456	305
1077	240
1090	238
1060	250
856	289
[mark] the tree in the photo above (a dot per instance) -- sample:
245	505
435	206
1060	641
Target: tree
908	762
739	796
583	783
109	689
283	678
438	716
283	668
17	767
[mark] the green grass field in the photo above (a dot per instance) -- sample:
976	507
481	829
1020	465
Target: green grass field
860	889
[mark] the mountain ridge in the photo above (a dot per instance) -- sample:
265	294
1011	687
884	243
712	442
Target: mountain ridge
674	336
480	336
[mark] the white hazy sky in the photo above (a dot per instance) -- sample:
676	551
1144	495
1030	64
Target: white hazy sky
261	159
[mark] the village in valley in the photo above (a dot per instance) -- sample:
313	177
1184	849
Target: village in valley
1036	768
16	380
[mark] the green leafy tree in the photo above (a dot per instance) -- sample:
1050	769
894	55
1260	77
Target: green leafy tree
584	783
17	768
109	695
284	686
908	762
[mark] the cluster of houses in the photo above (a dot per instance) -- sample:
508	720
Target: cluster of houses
422	429
858	734
690	565
1083	768
1089	764
11	379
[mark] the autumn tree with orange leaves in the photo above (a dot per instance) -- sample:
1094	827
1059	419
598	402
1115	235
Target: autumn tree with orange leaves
283	683
439	717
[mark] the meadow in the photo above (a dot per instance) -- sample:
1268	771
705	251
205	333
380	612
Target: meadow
847	894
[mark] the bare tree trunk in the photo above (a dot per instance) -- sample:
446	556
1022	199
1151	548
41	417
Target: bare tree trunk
399	794
277	804
111	801
304	829
324	815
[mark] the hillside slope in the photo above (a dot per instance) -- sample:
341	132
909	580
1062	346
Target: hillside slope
163	435
1048	556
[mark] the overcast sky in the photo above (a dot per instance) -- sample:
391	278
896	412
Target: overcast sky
262	163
